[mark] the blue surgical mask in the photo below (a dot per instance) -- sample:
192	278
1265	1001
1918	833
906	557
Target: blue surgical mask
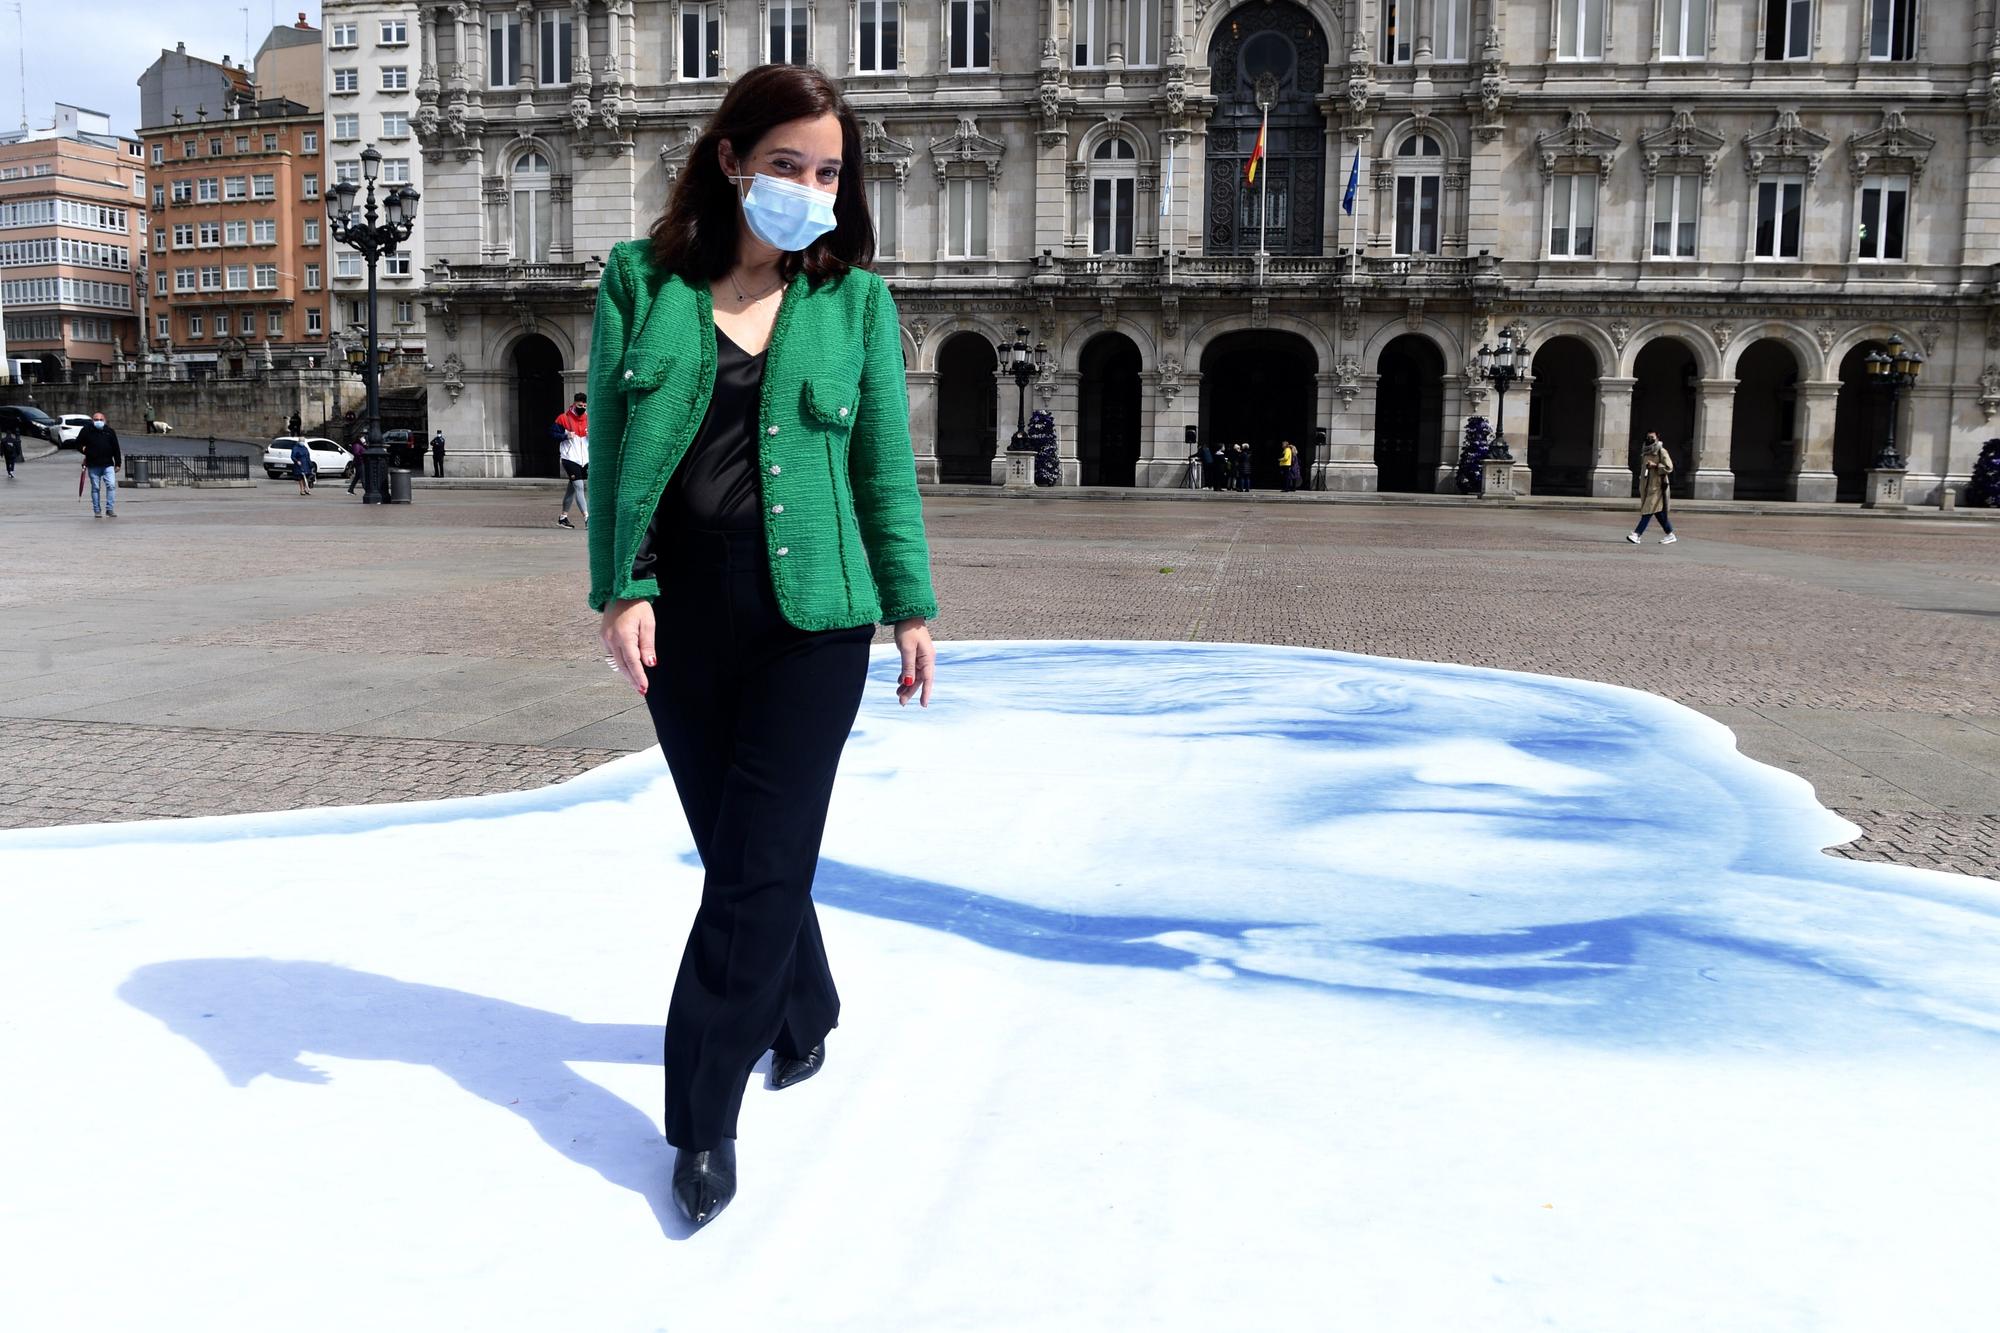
786	215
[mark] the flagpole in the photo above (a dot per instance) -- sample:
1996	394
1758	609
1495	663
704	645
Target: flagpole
1355	231
1263	183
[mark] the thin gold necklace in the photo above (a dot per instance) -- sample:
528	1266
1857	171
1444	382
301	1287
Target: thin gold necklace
745	297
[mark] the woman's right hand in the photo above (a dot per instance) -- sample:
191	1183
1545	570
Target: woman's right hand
627	633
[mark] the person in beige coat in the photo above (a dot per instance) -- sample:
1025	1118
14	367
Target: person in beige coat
1656	467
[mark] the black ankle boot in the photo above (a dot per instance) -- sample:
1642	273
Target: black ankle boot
705	1182
786	1071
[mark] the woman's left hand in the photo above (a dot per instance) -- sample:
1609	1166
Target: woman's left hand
913	641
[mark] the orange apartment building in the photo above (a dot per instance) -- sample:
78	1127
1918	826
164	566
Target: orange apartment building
238	244
72	247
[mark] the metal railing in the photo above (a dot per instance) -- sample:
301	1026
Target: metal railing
1278	270
185	470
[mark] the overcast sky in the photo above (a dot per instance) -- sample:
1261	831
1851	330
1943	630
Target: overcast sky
92	52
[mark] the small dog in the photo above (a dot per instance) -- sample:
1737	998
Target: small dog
158	428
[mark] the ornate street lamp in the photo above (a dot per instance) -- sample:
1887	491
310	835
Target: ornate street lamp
359	230
1898	370
1500	369
1025	363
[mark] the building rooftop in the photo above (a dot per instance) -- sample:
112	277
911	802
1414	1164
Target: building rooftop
76	123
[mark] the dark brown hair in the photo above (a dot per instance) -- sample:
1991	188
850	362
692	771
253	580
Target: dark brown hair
696	235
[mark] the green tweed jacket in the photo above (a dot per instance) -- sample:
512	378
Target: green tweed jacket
843	524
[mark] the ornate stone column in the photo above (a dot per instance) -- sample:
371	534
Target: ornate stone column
1812	476
1609	473
1347	408
1715	417
923	385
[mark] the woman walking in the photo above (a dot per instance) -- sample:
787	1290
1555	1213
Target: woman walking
574	455
752	429
1656	468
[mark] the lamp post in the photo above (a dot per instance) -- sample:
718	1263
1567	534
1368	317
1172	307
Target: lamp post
1898	369
359	230
1025	363
1500	369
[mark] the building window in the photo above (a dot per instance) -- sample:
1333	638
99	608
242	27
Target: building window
347	264
395	125
406	312
236	233
159	154
357	314
878	36
239	278
1396	34
395	32
787	32
264	231
1453	40
1885	204
161	328
1579	29
1419	189
215	147
270	143
309	141
159	196
1091	31
347	125
395	78
970	40
183	235
1780	217
340	36
701	41
267	277
530	196
160	285
312	319
966	203
557	33
195	329
211	234
183	192
1113	186
884	201
1573	216
312	231
396	266
159	239
1676	206
312	277
207	190
274	324
1684	29
348	170
1892	30
235	188
184	279
309	185
1788	29
347	80
242	143
503	51
263	186
395	171
246	323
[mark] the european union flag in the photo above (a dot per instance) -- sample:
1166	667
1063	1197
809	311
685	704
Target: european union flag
1353	182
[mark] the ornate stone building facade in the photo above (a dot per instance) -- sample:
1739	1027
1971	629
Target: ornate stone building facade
1701	215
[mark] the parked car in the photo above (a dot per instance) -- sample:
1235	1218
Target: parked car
71	425
31	421
329	456
406	448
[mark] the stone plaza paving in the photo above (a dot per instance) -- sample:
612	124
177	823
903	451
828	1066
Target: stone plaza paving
222	651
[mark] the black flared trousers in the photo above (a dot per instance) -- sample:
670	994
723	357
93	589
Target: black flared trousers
752	715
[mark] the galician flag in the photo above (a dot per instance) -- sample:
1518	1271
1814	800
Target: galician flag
1353	182
1257	153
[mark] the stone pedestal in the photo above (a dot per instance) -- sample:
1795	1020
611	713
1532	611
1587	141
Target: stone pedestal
1496	477
1020	470
1885	489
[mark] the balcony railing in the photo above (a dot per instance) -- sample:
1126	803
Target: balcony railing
508	271
1400	271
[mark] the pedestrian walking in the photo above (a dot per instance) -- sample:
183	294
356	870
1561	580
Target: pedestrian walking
295	425
1656	470
1288	467
437	454
1204	458
360	463
10	446
101	460
1243	465
149	419
302	465
741	600
574	458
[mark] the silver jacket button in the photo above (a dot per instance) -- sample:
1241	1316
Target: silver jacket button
775	469
772	431
784	550
843	411
628	374
777	509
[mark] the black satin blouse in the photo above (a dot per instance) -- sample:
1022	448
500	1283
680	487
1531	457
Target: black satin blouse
715	484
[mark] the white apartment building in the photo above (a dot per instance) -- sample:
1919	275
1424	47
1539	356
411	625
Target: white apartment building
371	79
1703	216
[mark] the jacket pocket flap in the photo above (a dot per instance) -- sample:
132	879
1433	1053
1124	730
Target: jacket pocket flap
647	369
831	401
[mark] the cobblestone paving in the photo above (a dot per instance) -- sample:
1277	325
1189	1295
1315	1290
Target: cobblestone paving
1803	633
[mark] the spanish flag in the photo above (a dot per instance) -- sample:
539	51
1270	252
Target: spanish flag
1257	153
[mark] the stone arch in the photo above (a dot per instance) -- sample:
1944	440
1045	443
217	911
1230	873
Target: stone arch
505	155
1596	338
1392	138
1203	38
936	338
1111	410
1873	332
1260	386
1707	360
1812	361
912	350
1566	407
1448	343
502	342
1068	352
1088	141
1411	370
1200	337
967	423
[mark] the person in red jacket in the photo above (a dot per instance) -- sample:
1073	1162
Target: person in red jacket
575	451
